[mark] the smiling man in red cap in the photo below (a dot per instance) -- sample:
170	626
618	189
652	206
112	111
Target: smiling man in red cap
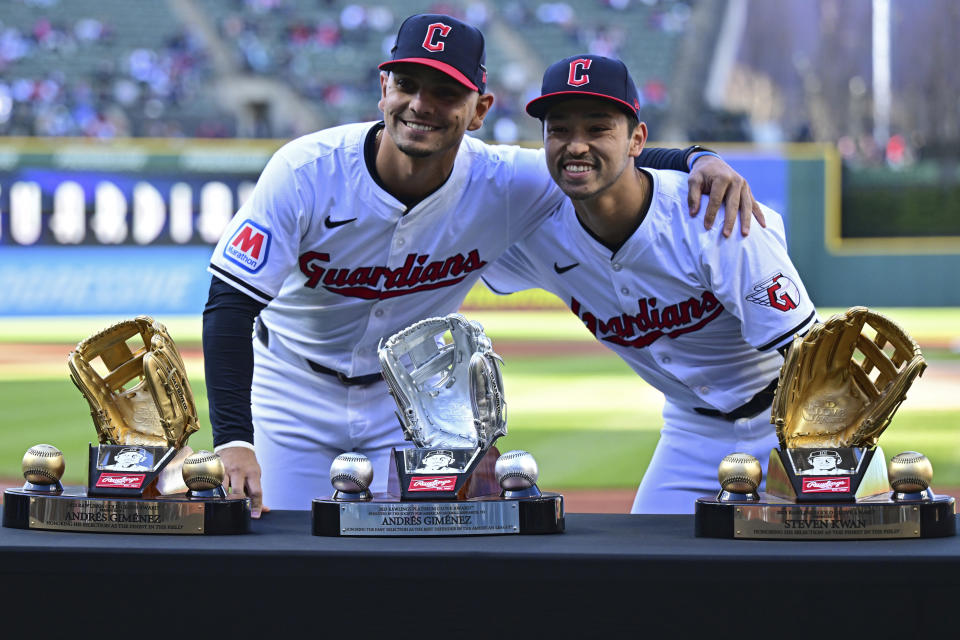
352	234
700	318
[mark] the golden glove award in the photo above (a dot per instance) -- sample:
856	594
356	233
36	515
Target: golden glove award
445	379
839	388
141	477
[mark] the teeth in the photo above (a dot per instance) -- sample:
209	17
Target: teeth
420	127
577	168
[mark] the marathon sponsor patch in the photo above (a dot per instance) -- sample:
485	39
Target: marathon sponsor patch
249	246
777	292
826	485
433	483
121	480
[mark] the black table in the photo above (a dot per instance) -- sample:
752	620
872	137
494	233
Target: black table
620	575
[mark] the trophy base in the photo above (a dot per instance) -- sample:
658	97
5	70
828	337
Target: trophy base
876	517
485	515
74	510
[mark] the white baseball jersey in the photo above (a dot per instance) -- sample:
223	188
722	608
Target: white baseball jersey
697	315
339	259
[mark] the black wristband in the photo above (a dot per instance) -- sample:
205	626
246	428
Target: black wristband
689	151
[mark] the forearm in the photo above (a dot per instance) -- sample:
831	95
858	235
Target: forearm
660	158
228	361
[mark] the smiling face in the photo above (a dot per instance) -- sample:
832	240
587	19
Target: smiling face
130	458
426	111
824	463
437	461
588	145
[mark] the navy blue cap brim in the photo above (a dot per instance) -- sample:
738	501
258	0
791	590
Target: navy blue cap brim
435	64
538	107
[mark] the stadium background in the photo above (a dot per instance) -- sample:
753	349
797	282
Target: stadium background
130	131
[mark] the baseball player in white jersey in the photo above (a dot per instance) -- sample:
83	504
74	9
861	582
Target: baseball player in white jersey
698	317
350	235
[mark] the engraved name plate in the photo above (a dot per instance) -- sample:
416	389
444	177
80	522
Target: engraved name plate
479	517
826	522
117	516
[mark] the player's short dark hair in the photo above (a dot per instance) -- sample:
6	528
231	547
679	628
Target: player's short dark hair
632	123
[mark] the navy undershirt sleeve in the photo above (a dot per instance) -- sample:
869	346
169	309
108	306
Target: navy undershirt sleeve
657	158
228	360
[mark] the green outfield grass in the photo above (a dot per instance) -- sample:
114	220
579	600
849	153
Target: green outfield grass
580	440
590	422
924	324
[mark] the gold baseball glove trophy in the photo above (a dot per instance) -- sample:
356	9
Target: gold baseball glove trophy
839	388
142	476
445	378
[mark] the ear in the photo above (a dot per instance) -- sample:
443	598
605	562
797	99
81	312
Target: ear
637	139
484	102
384	79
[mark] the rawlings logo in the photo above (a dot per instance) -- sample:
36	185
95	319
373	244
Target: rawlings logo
823	412
778	291
433	483
826	485
651	323
248	247
121	480
417	274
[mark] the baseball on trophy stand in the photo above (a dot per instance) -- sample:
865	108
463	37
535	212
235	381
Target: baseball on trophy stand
351	472
740	473
43	464
203	471
910	472
516	470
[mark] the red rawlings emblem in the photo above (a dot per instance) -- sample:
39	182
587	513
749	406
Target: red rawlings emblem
826	485
121	480
433	483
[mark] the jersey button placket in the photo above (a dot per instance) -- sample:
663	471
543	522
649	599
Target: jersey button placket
621	281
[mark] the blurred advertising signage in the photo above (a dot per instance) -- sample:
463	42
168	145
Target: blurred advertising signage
118	280
160	192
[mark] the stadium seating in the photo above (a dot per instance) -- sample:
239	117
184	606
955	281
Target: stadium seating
145	68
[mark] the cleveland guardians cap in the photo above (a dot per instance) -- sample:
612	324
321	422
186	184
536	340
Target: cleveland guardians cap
445	44
590	76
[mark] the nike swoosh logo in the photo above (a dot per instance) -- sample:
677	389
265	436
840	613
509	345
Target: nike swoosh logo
332	224
560	269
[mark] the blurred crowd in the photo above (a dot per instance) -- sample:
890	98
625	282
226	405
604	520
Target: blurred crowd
275	38
138	93
63	73
70	77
